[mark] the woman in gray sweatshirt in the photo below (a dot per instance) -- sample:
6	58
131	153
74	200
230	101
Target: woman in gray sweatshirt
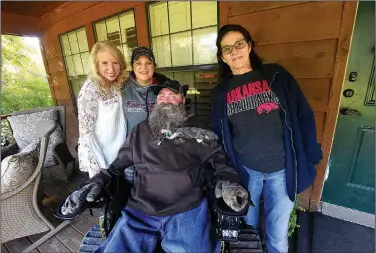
136	92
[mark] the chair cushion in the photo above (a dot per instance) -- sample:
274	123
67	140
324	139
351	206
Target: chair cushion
17	169
24	131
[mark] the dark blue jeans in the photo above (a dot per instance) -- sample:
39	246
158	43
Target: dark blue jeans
136	232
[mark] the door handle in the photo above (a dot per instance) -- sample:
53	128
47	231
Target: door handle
349	111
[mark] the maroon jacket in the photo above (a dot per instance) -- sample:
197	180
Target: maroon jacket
167	177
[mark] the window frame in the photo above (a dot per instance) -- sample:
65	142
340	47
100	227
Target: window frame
186	68
209	66
111	16
66	66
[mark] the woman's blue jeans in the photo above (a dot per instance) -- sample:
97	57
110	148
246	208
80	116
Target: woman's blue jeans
277	206
185	232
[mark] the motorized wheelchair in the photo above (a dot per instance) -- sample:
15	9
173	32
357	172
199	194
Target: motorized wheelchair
235	236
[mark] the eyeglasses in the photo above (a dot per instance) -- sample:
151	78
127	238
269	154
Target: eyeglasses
238	45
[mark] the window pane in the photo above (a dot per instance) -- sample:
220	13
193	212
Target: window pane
181	48
100	29
120	47
78	64
70	66
73	42
180	16
204	49
76	83
158	19
82	40
185	77
128	31
168	74
162	51
85	62
204	14
127	55
113	30
65	45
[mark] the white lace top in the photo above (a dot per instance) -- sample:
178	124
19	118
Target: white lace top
102	128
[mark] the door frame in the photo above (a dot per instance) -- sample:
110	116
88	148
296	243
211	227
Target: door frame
340	66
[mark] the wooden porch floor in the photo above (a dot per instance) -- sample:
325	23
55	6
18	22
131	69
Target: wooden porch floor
69	238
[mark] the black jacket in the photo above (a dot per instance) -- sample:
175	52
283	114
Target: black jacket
299	129
168	177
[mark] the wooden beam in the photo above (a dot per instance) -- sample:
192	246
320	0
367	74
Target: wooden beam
141	25
223	13
90	35
343	48
64	11
14	24
45	63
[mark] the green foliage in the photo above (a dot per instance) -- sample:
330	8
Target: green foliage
24	82
293	222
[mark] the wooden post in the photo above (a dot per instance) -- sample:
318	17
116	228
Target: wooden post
223	13
343	48
141	25
90	35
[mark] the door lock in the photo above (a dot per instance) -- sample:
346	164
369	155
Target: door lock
348	93
348	111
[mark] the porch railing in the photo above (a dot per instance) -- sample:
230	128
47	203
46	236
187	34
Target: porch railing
6	133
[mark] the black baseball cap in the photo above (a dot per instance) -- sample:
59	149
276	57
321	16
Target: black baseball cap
172	85
138	51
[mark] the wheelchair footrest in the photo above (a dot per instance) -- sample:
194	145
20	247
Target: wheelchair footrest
91	241
244	245
247	242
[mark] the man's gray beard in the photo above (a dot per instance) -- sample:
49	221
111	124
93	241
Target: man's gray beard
166	116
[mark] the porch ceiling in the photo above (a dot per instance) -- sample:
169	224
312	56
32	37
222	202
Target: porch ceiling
29	8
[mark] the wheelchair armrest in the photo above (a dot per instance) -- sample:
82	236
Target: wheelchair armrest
9	150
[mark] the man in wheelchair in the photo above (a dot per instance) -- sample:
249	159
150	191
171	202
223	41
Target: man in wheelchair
170	153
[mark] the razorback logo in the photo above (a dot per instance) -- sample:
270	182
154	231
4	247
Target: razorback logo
266	107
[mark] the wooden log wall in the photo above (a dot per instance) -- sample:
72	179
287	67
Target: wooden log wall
311	40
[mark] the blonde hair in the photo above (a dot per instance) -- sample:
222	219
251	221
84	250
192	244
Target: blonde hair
94	74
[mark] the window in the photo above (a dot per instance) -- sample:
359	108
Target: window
201	83
182	36
121	31
76	55
183	33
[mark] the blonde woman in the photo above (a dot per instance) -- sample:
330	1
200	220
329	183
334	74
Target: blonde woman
102	128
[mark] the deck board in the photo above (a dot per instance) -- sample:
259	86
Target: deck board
18	245
70	237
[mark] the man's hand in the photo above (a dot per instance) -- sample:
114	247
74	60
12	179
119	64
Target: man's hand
233	194
77	199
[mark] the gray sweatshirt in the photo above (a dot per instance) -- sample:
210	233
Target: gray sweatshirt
134	100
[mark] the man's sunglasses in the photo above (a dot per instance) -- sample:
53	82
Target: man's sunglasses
238	45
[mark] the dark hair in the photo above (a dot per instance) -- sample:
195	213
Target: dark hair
224	69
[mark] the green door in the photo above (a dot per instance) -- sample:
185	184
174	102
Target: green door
351	180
